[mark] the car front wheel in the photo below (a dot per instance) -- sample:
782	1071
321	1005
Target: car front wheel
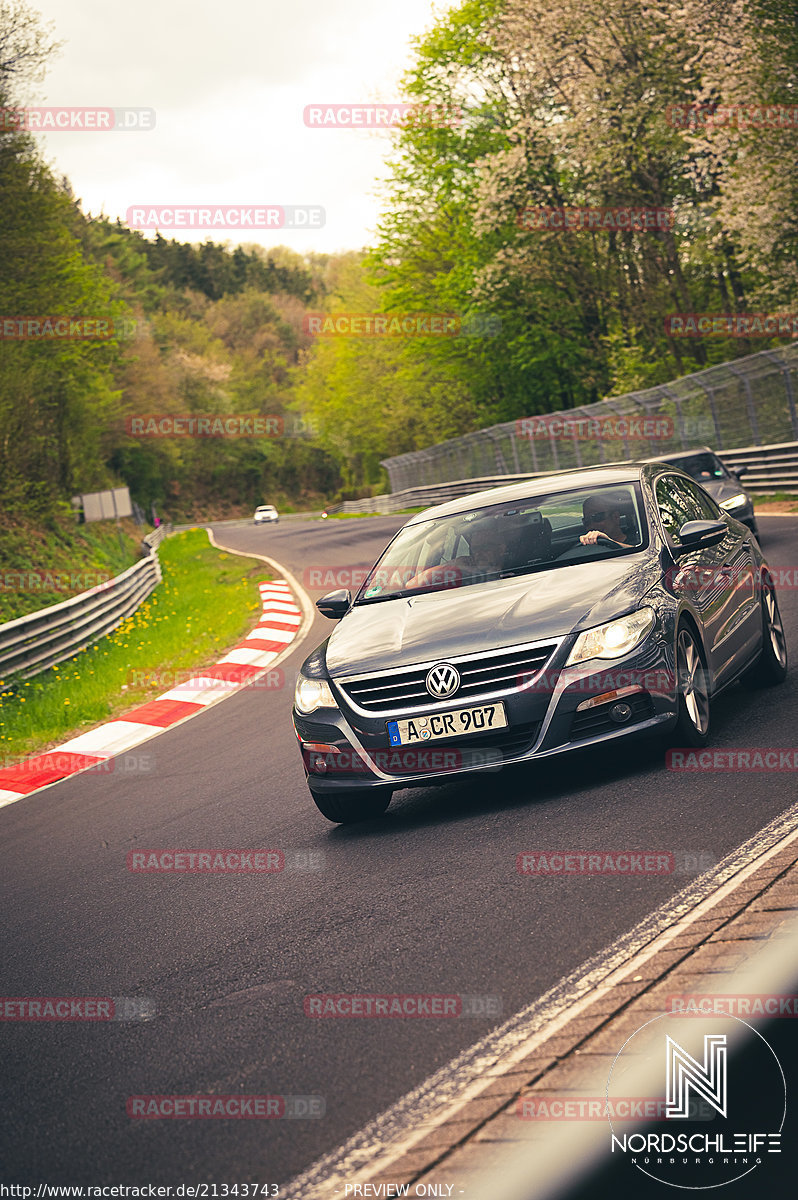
692	691
344	808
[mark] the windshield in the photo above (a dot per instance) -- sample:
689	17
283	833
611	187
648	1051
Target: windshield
517	537
702	467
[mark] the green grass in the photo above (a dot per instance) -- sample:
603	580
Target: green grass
774	498
33	552
351	516
347	516
208	599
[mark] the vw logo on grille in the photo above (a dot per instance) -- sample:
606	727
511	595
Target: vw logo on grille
442	680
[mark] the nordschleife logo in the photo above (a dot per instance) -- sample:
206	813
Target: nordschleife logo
716	1094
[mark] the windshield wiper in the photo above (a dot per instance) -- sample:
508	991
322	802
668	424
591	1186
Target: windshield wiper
528	569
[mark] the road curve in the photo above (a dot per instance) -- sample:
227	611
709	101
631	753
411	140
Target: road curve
426	900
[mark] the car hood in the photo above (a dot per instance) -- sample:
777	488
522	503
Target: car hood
488	616
723	489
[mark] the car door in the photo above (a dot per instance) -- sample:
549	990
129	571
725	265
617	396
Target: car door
706	577
741	628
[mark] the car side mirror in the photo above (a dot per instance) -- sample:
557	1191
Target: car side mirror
697	535
738	471
335	604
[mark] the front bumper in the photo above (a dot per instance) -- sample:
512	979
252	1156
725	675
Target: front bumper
551	714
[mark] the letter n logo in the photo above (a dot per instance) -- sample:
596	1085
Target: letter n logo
707	1080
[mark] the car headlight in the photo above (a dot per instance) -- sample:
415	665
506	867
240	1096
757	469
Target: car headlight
735	501
614	639
311	694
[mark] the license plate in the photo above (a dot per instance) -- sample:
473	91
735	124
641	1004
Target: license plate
481	718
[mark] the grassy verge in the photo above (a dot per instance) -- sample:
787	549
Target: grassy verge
206	602
780	501
350	516
44	562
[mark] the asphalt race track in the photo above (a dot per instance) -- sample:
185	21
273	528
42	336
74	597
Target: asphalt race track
425	900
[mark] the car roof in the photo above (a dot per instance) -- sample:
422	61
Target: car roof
557	481
684	454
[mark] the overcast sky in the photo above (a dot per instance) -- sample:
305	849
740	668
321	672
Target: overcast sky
229	81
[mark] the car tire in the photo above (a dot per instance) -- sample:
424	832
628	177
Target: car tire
345	808
770	668
692	691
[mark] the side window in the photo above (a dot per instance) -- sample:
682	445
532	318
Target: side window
707	506
676	505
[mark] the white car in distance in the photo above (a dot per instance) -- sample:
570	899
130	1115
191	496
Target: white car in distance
266	514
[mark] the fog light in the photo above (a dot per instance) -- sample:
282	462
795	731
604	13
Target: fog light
620	713
317	752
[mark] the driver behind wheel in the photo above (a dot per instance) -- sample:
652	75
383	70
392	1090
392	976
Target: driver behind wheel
601	515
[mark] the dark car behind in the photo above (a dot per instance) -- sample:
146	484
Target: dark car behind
723	484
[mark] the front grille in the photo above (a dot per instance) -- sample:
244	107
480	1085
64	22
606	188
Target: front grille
594	721
481	676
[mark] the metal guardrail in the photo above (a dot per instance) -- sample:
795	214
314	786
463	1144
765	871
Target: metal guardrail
42	639
242	522
153	540
751	402
769	469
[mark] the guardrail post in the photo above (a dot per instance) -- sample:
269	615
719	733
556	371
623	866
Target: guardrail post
714	412
677	403
749	402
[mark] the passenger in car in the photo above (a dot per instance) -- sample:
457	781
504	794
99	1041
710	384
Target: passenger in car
486	554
